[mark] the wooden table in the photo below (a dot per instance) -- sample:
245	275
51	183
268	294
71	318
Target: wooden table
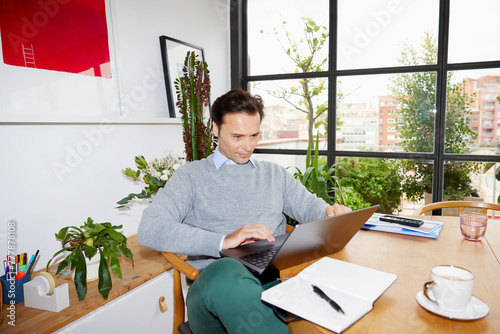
411	258
493	237
148	263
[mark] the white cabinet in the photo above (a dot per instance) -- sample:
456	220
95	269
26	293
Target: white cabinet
136	311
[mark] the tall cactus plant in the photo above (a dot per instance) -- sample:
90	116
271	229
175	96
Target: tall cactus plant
193	91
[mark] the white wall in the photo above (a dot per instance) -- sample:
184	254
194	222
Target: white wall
42	198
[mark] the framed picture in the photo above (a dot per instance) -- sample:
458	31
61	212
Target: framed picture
72	78
173	53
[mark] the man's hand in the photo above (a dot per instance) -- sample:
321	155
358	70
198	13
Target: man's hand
336	209
247	234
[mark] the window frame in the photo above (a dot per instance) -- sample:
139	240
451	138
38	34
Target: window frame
241	79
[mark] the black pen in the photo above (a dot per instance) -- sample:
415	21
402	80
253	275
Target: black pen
330	301
32	263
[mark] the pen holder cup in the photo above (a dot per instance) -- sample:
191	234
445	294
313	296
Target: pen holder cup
12	290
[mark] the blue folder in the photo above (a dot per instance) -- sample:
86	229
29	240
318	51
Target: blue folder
375	224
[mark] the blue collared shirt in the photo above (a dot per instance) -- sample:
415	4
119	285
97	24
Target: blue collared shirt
220	159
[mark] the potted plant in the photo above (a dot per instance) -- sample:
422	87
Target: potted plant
193	97
153	175
319	179
87	241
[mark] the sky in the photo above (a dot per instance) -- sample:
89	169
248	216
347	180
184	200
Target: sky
370	33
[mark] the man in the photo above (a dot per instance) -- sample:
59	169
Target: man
223	201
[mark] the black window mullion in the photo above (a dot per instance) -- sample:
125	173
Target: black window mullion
238	43
441	85
332	84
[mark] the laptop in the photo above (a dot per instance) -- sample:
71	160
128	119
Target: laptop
307	241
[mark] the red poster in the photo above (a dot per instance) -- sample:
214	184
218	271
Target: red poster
58	35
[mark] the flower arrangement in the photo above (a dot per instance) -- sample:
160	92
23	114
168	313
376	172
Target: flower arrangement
193	96
153	175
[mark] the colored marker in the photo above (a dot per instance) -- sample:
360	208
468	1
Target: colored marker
32	262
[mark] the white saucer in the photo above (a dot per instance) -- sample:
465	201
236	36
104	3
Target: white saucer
475	310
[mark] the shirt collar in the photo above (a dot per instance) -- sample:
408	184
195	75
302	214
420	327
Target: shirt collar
220	159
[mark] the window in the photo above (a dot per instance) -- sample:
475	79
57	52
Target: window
276	34
473	31
368	28
489	105
370	80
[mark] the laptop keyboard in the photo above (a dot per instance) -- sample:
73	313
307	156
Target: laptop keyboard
262	258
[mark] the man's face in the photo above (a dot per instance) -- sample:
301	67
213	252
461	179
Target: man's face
238	136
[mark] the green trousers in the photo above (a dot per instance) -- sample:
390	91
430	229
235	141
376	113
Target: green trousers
225	298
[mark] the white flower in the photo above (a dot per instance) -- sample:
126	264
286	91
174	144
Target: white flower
164	177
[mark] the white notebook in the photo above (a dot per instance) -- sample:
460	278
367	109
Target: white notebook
353	287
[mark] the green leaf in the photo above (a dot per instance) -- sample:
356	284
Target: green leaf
80	275
105	283
115	266
134	175
141	162
90	252
115	235
63	264
106	251
62	233
307	175
97	229
55	255
330	172
115	247
128	253
125	200
321	190
157	182
144	194
89	223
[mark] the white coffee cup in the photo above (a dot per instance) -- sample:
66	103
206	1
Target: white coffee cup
450	288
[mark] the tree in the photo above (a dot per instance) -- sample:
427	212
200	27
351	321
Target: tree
416	94
308	54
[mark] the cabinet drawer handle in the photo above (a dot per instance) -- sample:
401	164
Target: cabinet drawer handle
163	305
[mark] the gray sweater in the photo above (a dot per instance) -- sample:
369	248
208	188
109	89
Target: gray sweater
199	205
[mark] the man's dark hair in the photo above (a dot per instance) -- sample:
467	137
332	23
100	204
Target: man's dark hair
236	100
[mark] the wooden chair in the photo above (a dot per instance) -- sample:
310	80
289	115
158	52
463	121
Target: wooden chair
461	205
180	266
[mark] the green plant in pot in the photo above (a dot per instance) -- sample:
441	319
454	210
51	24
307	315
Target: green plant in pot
319	179
193	97
87	241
